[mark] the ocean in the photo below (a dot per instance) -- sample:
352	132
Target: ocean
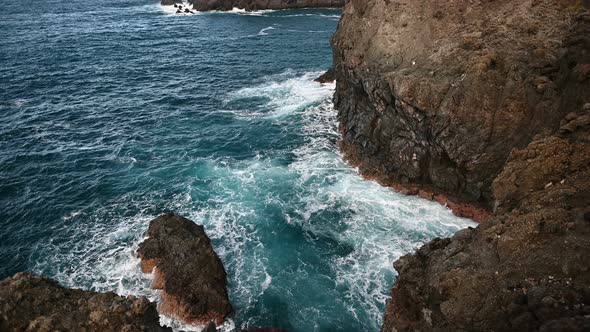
114	111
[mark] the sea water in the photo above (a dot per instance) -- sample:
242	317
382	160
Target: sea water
114	111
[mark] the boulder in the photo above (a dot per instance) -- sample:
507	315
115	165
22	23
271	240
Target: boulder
186	269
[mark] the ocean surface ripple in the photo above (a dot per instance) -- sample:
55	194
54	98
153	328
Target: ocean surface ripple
114	112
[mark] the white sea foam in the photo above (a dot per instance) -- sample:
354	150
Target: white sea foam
172	10
264	32
376	223
286	93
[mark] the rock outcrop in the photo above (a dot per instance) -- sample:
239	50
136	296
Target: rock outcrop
527	267
250	5
433	96
483	105
188	272
33	303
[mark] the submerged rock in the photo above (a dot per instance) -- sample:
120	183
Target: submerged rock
34	303
250	5
187	270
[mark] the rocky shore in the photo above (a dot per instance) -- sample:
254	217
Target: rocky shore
483	106
34	303
251	5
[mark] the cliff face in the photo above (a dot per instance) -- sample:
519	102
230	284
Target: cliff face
485	103
435	94
205	5
33	303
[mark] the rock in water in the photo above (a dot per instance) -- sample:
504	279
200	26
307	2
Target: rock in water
187	270
33	303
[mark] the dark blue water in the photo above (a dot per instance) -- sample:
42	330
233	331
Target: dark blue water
112	112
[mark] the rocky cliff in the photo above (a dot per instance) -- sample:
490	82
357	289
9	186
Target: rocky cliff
433	95
33	303
479	105
205	5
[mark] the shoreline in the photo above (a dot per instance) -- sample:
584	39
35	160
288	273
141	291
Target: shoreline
461	209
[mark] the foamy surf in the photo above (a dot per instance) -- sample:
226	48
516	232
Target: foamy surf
284	94
296	226
179	9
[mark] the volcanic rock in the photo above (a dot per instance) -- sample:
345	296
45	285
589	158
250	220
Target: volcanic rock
34	303
435	95
479	103
187	270
327	77
527	267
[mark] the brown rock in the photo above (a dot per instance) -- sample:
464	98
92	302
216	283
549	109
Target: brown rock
187	270
34	303
466	103
418	107
327	77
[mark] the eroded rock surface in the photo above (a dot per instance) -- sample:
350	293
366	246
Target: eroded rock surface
435	94
33	303
250	5
469	102
188	272
526	268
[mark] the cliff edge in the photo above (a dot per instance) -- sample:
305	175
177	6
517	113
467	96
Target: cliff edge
484	106
433	95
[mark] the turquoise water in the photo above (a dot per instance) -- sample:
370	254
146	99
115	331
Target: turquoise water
112	112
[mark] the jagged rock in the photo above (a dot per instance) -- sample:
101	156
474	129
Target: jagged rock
527	267
250	5
187	270
469	101
34	303
435	95
327	77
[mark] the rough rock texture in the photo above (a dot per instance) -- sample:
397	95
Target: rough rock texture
526	268
34	303
327	77
435	94
468	103
186	269
204	5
